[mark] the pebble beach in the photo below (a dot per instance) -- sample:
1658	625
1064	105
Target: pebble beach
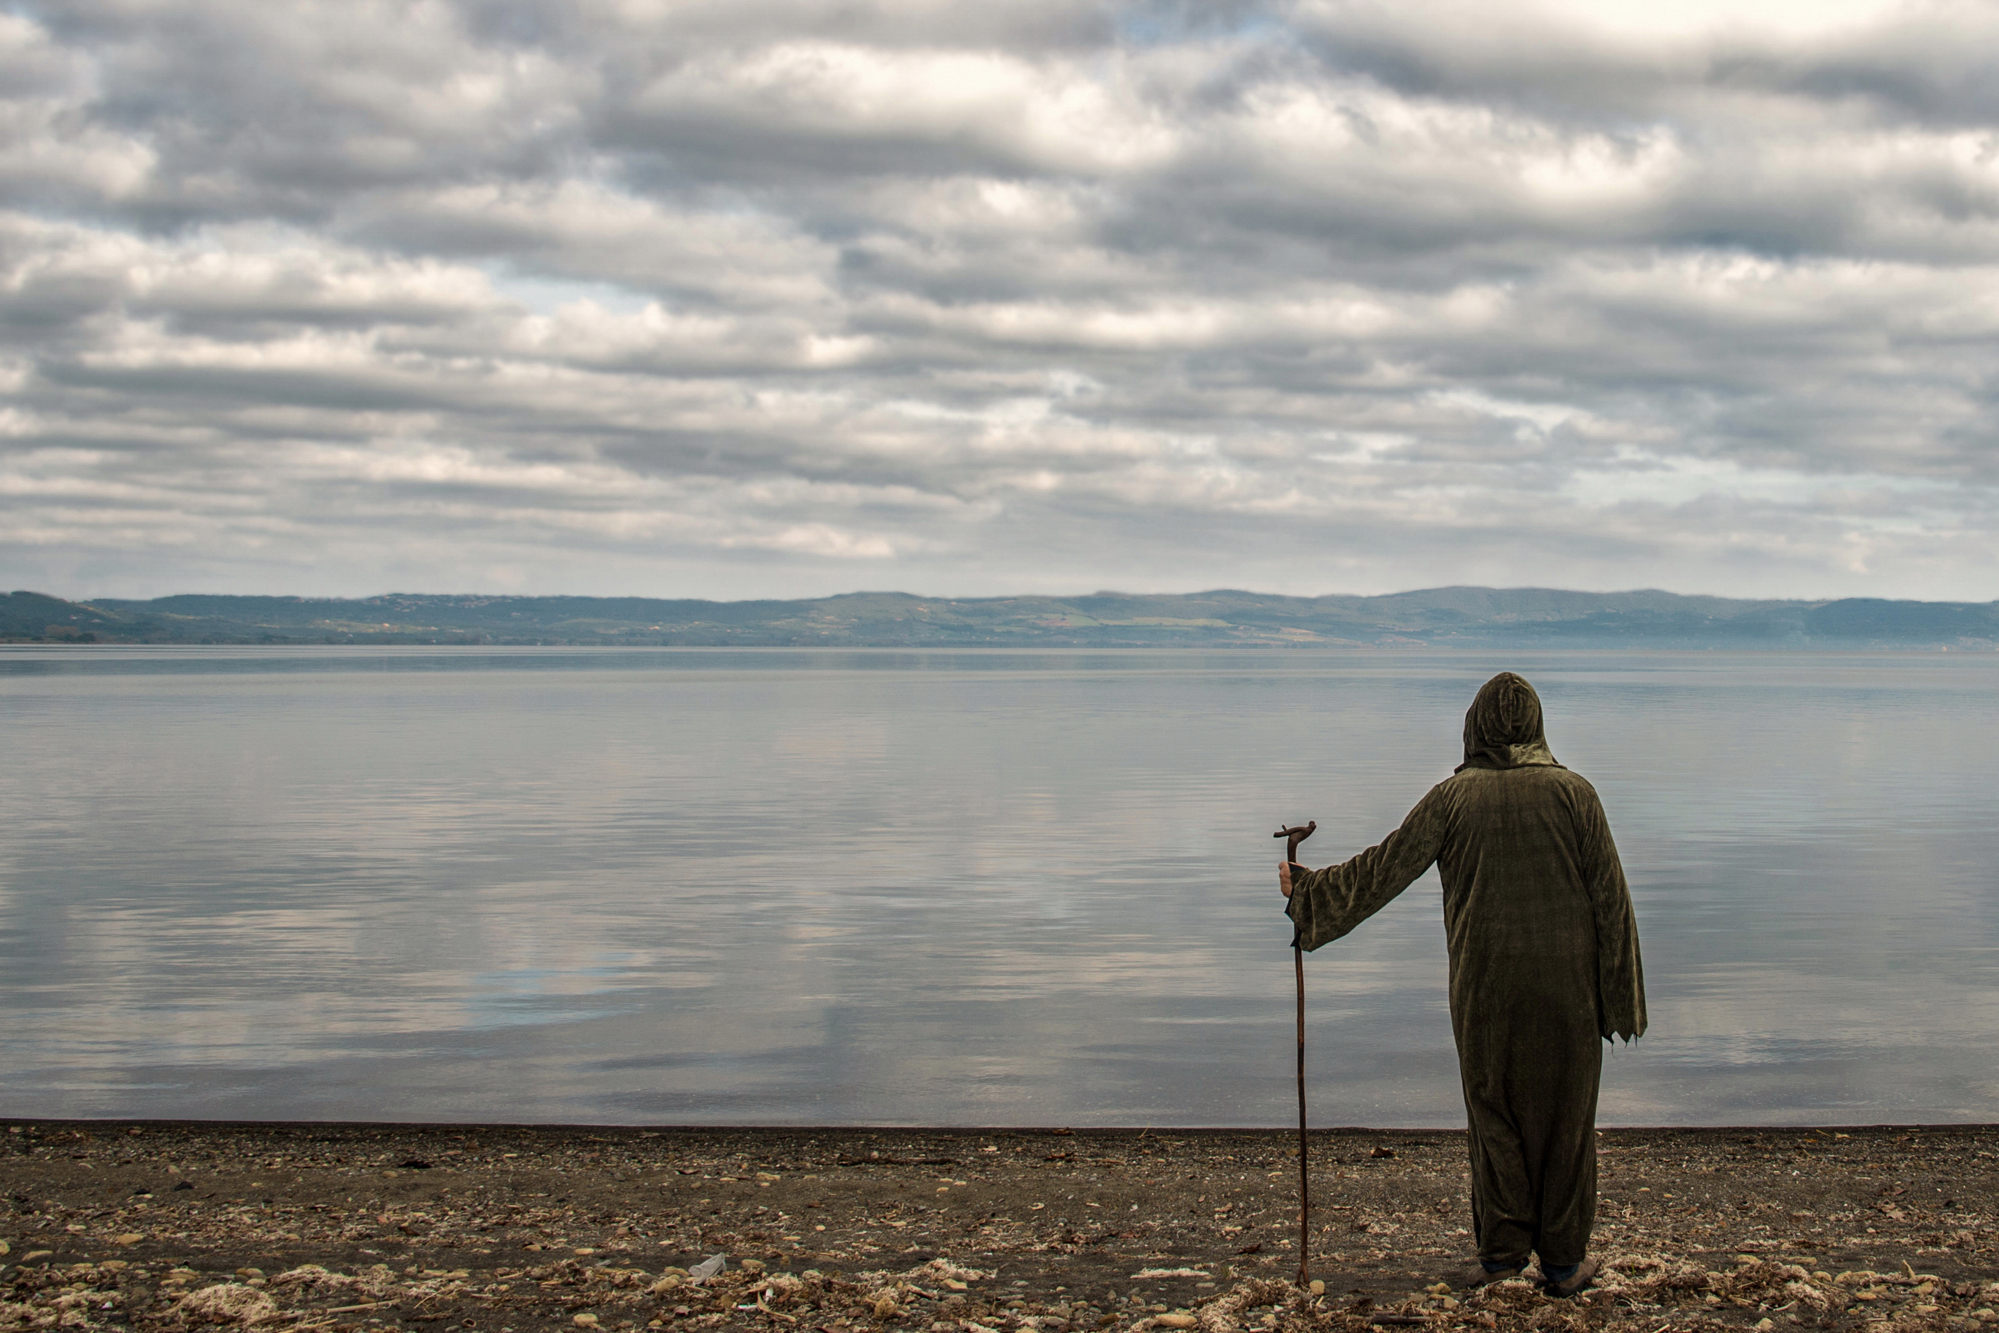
365	1228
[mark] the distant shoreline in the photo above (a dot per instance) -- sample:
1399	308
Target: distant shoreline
1474	618
1133	649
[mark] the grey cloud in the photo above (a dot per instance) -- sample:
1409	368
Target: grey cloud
768	297
283	111
664	24
1927	64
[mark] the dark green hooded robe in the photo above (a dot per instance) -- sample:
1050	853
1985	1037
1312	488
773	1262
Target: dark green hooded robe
1544	964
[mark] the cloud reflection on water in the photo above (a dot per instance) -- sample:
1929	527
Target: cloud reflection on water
950	887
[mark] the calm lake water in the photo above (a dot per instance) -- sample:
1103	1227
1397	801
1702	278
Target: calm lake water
984	888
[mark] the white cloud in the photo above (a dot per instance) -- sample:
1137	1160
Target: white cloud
1782	19
1048	115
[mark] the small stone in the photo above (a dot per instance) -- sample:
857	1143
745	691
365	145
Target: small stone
584	1249
128	1238
1318	1287
1176	1320
1765	1325
584	1320
228	1303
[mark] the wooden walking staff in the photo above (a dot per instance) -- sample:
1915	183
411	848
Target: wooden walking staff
1294	836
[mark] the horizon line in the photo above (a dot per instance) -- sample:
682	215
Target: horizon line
1016	596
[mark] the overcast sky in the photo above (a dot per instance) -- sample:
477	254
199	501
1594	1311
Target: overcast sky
734	298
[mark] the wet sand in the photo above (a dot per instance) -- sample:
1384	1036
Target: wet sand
341	1228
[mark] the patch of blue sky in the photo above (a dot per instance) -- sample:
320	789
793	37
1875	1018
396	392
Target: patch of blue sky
1640	475
1148	25
545	295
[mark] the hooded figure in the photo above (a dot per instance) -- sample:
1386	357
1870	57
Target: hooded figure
1544	968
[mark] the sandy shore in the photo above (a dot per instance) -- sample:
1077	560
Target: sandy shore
500	1229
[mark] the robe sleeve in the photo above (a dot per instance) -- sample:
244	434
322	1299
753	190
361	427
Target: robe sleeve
1620	972
1326	904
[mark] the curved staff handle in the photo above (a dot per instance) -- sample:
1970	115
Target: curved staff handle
1293	836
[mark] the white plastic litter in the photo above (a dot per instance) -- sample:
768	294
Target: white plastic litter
707	1268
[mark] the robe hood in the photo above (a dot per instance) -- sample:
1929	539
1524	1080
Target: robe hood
1503	727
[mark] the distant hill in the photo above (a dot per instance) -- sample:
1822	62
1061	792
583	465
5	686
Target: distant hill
1435	617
